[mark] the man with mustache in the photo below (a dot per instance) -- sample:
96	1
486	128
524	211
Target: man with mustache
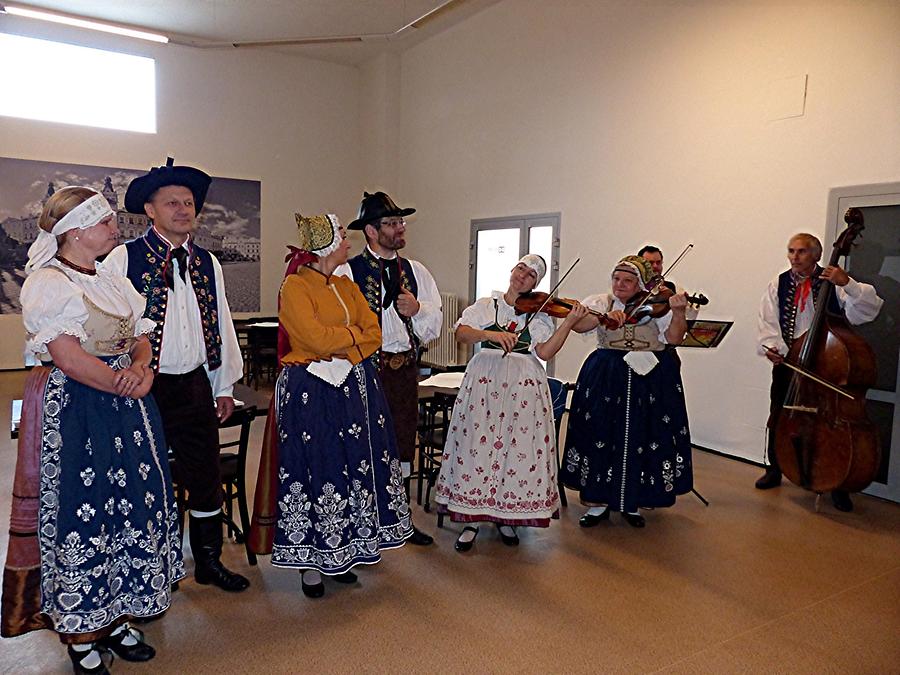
195	350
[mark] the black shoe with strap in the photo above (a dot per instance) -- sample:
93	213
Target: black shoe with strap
634	519
78	657
136	652
311	590
507	539
347	577
205	535
463	546
592	520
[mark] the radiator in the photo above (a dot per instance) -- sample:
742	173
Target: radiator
445	350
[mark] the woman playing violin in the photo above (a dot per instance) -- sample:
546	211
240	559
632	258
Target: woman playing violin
628	445
499	457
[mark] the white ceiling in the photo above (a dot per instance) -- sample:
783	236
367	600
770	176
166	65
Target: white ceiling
384	25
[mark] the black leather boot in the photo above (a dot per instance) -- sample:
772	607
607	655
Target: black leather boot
206	544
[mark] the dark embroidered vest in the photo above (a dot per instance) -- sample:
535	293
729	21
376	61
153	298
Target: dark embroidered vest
787	310
148	258
367	274
523	343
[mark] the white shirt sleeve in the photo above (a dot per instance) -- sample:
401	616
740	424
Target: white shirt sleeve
222	379
541	329
859	301
479	315
427	321
768	323
51	306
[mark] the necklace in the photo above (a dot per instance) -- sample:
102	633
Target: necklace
77	268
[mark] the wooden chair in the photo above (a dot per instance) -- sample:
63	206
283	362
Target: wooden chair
233	469
560	394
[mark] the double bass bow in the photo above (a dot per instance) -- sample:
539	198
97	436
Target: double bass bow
823	439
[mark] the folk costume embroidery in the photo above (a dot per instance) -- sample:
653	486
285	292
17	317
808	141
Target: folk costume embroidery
149	261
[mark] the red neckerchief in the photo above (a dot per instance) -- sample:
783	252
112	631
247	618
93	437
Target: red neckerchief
801	294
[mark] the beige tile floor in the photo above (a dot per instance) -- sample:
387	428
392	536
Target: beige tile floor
756	583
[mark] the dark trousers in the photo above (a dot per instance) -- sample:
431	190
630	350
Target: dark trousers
781	381
192	431
401	388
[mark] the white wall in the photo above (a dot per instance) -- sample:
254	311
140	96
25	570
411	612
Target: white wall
291	123
650	122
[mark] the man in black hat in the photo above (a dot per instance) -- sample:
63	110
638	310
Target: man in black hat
195	349
403	295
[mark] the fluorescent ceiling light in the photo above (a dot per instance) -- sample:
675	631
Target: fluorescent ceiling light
82	23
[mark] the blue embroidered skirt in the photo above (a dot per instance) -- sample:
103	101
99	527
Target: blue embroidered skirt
340	490
628	444
107	521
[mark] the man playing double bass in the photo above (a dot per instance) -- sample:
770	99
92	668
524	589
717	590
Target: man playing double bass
786	313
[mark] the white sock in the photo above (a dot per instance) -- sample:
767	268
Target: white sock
129	640
311	577
597	510
406	468
507	530
468	535
91	658
205	514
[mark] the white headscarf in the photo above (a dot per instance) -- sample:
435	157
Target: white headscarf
87	214
536	263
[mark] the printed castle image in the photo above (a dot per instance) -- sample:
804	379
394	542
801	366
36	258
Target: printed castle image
18	233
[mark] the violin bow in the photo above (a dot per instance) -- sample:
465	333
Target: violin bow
662	280
812	376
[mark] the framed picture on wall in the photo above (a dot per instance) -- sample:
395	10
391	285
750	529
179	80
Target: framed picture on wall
228	225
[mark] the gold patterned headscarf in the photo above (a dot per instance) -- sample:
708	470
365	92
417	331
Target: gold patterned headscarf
637	266
318	234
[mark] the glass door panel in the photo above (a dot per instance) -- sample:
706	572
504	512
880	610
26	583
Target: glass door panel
497	253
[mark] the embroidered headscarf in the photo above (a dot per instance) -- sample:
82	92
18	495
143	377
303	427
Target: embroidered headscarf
87	214
637	266
536	263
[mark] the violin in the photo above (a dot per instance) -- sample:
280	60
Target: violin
654	303
536	301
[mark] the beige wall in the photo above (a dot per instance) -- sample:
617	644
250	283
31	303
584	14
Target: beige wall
288	122
651	122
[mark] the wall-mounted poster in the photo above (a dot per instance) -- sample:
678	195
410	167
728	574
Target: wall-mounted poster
228	225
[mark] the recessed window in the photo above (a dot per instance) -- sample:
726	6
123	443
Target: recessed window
58	82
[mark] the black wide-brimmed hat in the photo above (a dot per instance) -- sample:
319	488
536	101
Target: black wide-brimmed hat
142	188
375	207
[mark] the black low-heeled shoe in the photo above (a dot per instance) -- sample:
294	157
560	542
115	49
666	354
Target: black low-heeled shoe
82	670
463	546
507	539
347	577
137	652
312	590
591	520
634	519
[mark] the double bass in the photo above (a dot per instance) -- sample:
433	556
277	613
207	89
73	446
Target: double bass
823	439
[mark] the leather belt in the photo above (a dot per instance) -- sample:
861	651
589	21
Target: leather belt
398	360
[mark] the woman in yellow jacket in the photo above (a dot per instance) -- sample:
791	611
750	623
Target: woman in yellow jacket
340	490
